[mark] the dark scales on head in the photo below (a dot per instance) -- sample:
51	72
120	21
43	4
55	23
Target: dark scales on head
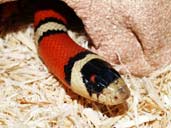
97	75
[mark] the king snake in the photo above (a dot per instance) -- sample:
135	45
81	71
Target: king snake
83	71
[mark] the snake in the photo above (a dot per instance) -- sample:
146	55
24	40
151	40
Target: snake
84	72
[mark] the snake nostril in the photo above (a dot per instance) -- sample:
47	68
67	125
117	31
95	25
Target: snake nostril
115	97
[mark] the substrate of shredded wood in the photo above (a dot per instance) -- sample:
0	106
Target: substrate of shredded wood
30	97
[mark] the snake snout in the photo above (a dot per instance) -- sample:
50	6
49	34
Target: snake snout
123	93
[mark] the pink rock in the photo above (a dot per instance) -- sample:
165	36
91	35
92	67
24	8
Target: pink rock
139	32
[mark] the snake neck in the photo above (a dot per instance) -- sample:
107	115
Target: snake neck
16	15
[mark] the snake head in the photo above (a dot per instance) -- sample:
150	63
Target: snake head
104	82
93	78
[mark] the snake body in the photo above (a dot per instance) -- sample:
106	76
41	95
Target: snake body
84	72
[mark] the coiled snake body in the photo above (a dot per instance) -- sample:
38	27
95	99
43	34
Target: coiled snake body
84	72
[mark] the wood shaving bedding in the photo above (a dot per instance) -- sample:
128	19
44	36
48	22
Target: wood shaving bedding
31	97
